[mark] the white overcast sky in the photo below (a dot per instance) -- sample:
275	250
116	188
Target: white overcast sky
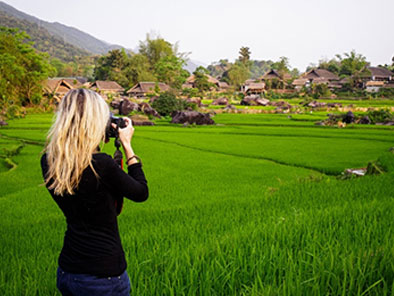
305	31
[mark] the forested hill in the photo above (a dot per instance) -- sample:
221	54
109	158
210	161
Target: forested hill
73	36
43	41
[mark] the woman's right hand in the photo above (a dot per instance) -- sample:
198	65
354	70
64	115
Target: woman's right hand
126	133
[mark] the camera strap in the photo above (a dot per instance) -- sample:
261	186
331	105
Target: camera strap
118	155
118	158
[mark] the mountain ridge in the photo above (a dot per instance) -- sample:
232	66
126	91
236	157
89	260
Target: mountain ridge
62	41
68	34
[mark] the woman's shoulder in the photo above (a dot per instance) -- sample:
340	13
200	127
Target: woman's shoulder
103	160
102	157
104	164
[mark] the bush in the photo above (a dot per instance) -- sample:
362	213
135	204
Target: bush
167	103
386	93
14	111
380	116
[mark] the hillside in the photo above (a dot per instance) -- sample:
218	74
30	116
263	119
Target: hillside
65	33
43	40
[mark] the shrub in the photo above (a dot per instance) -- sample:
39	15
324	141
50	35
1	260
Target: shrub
167	103
14	111
380	116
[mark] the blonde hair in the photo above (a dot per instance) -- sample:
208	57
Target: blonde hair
79	127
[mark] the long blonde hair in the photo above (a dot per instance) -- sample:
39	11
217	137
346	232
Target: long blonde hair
79	127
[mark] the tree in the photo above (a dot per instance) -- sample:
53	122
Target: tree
138	69
258	68
22	69
219	68
169	69
237	74
244	55
332	65
155	49
157	60
165	61
201	79
112	67
282	66
351	63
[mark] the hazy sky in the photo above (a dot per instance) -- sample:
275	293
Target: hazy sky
305	31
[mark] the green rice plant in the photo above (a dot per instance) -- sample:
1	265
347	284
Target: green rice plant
222	217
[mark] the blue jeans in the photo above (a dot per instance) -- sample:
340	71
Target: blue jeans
71	284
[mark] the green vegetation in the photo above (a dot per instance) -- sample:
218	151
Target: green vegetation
201	82
240	208
43	41
167	103
157	60
22	70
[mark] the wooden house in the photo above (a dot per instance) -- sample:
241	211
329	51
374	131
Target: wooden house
299	83
274	74
374	85
222	86
58	87
106	87
275	79
192	79
254	88
321	76
378	74
141	89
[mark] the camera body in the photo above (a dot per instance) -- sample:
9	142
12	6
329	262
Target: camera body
111	132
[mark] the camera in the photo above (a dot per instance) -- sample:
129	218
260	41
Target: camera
111	132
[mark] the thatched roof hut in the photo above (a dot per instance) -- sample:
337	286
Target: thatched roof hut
379	73
58	87
300	83
106	87
321	74
191	79
254	88
141	89
274	74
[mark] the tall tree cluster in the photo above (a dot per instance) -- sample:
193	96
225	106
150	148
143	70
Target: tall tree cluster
348	64
245	68
156	60
22	69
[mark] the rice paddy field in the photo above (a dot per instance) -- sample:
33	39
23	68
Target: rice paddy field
250	206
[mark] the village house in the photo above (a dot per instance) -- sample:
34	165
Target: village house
374	78
220	85
106	87
320	73
58	87
378	74
373	86
274	79
251	86
299	83
317	76
142	89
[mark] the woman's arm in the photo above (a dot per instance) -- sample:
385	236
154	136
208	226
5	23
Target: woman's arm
125	136
132	185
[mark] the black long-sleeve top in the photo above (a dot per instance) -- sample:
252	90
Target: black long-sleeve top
92	243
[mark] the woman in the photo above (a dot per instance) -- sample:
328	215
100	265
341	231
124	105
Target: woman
87	186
